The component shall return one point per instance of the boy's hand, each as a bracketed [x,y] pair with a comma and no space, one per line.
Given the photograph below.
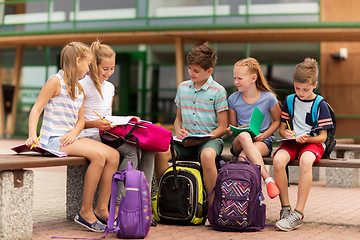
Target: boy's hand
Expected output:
[289,134]
[259,138]
[182,134]
[302,139]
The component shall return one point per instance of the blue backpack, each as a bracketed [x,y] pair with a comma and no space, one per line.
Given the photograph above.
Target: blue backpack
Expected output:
[237,204]
[330,141]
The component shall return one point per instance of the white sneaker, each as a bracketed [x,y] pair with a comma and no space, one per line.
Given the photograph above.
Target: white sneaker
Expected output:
[293,221]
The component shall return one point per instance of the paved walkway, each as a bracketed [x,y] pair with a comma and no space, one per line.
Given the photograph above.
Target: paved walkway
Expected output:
[330,213]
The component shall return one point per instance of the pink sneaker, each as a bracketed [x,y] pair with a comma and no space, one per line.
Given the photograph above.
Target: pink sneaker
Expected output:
[272,189]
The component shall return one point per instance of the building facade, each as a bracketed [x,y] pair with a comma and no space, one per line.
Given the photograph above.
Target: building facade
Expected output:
[151,39]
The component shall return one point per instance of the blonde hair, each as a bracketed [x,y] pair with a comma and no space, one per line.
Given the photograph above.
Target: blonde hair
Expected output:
[306,71]
[99,51]
[254,68]
[68,57]
[202,55]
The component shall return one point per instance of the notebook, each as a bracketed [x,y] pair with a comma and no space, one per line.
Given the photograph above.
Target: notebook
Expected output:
[257,117]
[198,137]
[44,151]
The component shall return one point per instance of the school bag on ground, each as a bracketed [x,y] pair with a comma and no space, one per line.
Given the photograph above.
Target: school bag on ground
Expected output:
[134,216]
[330,141]
[237,204]
[181,197]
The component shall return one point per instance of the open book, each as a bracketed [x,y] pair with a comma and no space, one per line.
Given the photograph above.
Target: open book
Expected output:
[120,120]
[198,137]
[44,151]
[257,117]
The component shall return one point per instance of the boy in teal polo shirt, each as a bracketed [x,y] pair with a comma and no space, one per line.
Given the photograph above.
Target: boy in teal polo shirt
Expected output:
[201,109]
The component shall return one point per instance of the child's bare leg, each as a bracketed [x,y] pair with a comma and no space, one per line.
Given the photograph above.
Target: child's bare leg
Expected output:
[253,151]
[207,158]
[281,159]
[305,164]
[111,165]
[88,148]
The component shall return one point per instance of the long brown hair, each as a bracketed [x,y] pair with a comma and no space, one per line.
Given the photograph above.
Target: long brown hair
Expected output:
[68,57]
[99,51]
[254,67]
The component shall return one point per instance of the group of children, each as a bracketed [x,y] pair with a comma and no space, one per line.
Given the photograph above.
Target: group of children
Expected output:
[70,125]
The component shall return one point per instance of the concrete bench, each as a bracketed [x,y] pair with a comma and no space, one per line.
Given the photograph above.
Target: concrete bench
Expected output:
[16,185]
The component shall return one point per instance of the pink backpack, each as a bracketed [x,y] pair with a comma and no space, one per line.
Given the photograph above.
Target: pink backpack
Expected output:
[149,136]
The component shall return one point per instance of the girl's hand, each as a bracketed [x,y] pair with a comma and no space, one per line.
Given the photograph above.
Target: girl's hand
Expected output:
[68,139]
[289,134]
[259,138]
[302,139]
[31,140]
[229,131]
[182,134]
[103,125]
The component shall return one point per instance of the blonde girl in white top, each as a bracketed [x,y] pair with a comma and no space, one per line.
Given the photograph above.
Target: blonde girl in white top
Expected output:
[61,98]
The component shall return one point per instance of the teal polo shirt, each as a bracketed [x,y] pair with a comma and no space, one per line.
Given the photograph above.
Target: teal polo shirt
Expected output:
[199,108]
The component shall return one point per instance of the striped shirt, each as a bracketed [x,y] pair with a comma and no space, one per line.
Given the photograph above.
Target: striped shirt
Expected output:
[60,113]
[199,108]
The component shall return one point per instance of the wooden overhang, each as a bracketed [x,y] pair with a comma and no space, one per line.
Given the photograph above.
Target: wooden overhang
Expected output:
[188,36]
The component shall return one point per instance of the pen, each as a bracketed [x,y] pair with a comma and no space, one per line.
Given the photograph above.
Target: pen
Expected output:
[289,127]
[99,115]
[36,141]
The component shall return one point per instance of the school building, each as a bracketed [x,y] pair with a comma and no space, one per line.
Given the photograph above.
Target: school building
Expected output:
[152,37]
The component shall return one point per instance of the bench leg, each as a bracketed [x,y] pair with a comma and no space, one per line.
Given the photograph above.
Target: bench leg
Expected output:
[343,177]
[74,190]
[16,200]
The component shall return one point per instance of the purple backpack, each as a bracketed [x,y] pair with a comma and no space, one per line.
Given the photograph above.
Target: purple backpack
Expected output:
[237,202]
[134,217]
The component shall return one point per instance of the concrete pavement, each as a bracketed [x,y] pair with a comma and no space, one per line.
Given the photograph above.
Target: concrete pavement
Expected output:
[330,213]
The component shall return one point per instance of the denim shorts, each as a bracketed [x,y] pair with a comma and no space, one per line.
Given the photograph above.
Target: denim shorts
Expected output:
[53,143]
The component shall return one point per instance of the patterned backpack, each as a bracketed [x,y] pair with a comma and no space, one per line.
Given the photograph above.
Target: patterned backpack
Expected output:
[238,198]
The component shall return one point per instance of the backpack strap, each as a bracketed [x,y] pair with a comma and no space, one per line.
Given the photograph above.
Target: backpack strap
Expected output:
[173,159]
[290,101]
[118,176]
[315,110]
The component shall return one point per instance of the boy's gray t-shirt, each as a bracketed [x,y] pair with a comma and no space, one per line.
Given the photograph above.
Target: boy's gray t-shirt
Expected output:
[244,110]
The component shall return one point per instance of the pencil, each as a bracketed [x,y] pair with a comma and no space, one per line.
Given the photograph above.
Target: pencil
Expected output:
[36,141]
[289,127]
[99,115]
[243,126]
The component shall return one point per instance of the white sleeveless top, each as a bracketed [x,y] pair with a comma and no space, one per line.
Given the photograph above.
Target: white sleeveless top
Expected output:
[60,113]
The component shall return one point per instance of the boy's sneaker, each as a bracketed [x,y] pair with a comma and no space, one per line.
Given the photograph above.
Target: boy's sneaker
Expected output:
[272,189]
[284,212]
[293,221]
